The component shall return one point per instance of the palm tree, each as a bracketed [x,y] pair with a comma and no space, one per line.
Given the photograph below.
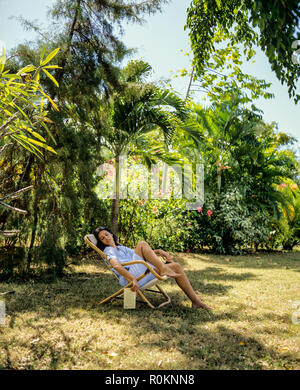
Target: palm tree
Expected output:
[131,113]
[218,130]
[235,140]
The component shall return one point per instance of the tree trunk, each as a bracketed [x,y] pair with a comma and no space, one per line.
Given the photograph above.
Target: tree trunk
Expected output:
[60,72]
[219,182]
[219,177]
[34,228]
[116,201]
[190,84]
[35,219]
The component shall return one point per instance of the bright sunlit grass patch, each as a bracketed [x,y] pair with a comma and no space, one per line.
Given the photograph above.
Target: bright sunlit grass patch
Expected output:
[60,325]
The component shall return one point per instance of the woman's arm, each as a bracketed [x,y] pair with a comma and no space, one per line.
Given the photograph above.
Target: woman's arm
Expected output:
[164,254]
[121,270]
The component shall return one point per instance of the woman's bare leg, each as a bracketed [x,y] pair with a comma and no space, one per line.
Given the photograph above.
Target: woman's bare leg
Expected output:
[185,285]
[144,250]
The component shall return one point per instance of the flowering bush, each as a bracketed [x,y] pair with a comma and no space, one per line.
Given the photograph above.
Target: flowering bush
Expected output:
[225,224]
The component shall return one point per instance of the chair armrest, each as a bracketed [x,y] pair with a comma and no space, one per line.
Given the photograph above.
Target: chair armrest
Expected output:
[146,265]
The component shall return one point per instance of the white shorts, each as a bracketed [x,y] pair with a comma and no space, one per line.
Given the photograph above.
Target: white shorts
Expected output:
[136,270]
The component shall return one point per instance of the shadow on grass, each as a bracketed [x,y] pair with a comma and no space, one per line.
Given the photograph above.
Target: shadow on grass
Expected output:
[204,280]
[184,330]
[273,260]
[174,327]
[84,290]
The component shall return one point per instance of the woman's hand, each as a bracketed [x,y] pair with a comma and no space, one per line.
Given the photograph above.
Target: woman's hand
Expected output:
[166,256]
[135,285]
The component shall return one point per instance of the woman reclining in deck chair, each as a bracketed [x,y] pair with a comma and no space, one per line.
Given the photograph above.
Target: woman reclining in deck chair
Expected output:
[116,254]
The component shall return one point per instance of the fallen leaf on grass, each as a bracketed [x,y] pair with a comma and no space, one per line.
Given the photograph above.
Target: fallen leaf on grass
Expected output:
[111,354]
[34,341]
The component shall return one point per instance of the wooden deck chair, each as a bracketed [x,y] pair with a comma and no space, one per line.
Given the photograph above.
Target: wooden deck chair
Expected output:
[91,241]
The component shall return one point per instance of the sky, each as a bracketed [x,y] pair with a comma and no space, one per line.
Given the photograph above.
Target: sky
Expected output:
[163,42]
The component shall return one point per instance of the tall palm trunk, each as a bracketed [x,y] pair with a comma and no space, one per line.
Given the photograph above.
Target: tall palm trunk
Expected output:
[219,177]
[190,84]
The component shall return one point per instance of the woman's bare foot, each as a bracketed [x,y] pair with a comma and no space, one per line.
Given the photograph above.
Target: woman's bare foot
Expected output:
[199,304]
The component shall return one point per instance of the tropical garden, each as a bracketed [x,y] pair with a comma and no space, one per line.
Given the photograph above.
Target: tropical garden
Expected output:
[75,104]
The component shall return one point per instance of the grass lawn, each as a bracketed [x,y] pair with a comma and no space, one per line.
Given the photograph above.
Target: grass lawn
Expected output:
[61,326]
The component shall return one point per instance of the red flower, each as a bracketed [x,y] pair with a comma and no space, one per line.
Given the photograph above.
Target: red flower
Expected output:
[188,250]
[209,213]
[199,209]
[188,224]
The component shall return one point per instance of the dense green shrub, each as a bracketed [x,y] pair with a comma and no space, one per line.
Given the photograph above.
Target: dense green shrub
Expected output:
[157,221]
[286,230]
[225,224]
[11,261]
[51,254]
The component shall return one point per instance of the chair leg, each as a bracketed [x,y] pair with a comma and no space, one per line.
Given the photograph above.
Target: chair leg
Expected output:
[161,291]
[119,292]
[165,295]
[145,299]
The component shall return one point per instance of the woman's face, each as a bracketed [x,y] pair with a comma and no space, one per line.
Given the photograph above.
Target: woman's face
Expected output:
[106,238]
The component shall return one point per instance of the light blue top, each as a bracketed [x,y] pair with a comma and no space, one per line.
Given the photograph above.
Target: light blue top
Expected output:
[124,254]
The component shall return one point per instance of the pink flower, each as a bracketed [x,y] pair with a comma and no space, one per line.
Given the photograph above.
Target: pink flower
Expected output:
[154,210]
[135,157]
[282,185]
[199,209]
[209,213]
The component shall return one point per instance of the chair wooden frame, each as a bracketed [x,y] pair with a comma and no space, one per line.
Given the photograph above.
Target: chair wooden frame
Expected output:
[90,240]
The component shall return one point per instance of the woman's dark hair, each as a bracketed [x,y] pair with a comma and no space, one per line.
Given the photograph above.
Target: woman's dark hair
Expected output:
[100,244]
